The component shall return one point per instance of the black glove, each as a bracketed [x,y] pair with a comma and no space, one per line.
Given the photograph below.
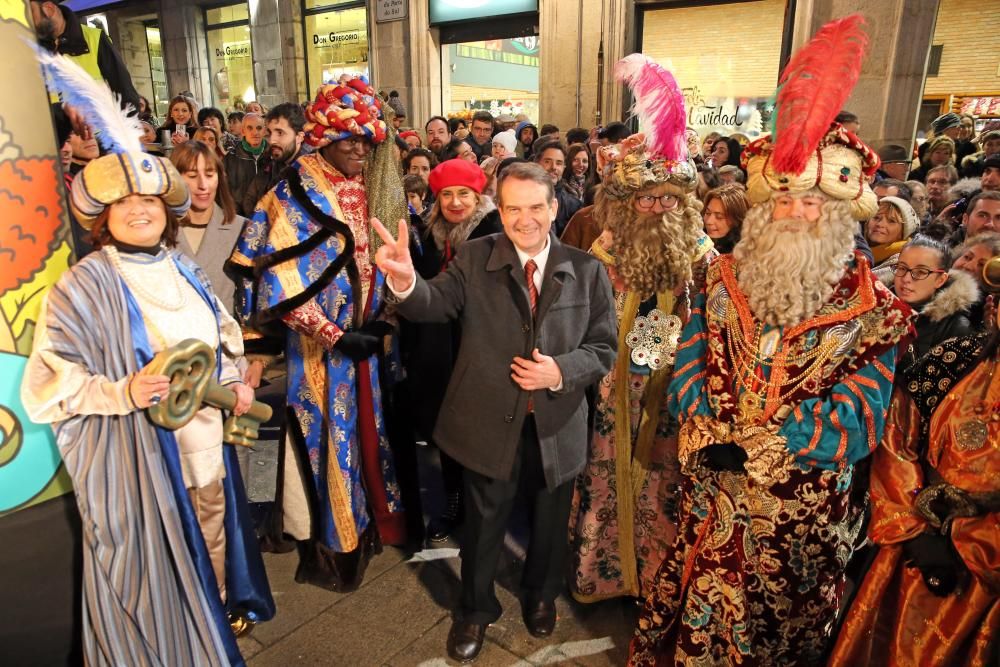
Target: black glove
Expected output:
[939,564]
[363,343]
[729,456]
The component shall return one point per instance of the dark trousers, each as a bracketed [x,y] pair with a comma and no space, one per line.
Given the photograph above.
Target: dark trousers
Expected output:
[488,503]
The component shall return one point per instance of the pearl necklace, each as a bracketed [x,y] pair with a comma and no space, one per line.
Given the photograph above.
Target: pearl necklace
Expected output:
[135,283]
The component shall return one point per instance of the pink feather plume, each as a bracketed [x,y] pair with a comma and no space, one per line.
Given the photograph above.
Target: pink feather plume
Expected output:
[659,105]
[813,88]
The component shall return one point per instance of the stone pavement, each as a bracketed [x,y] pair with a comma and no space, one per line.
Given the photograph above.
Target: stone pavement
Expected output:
[402,613]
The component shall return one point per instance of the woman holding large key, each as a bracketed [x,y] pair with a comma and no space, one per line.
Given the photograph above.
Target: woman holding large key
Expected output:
[170,556]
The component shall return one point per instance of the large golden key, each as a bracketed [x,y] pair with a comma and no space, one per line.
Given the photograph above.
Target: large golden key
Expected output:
[190,365]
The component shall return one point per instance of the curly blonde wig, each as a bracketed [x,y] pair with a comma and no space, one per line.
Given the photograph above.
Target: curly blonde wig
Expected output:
[653,252]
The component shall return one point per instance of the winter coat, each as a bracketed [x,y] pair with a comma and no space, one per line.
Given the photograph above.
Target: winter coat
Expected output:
[568,206]
[945,316]
[429,350]
[241,169]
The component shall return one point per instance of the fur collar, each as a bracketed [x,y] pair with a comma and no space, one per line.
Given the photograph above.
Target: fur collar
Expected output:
[960,293]
[441,230]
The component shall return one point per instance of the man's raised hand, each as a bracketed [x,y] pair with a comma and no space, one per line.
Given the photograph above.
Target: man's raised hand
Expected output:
[393,258]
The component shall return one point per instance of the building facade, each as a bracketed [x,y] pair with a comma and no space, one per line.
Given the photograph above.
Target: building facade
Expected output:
[553,59]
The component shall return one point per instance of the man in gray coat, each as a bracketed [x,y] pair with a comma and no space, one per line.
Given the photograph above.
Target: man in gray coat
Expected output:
[538,327]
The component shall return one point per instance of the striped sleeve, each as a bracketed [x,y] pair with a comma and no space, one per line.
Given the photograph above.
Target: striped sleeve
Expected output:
[846,425]
[686,396]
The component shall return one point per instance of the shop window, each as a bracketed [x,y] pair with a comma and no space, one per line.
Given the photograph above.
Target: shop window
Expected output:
[230,56]
[336,40]
[934,61]
[498,75]
[728,83]
[158,73]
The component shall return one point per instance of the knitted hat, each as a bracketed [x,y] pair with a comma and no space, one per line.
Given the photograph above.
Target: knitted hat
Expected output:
[911,223]
[938,142]
[344,110]
[456,172]
[945,121]
[397,104]
[988,135]
[410,133]
[507,138]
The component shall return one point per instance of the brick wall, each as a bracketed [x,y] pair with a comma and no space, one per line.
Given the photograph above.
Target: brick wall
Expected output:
[969,30]
[727,50]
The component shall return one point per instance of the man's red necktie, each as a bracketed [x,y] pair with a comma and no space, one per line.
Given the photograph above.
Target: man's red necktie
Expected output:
[529,274]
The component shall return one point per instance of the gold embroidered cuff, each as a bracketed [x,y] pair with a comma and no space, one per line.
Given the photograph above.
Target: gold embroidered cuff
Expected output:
[768,459]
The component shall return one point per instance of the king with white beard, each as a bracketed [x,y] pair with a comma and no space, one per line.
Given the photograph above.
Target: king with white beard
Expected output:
[783,376]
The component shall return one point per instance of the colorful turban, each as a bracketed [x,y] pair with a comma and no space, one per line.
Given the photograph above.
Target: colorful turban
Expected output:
[627,167]
[840,167]
[107,179]
[341,111]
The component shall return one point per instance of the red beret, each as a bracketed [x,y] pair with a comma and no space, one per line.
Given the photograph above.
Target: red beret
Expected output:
[457,172]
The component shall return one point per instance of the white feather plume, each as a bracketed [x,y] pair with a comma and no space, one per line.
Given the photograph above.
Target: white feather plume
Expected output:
[114,128]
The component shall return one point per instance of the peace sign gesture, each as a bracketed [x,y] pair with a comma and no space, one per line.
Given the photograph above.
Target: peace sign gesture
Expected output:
[393,258]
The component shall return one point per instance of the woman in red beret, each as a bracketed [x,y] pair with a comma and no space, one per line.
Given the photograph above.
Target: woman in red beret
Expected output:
[461,213]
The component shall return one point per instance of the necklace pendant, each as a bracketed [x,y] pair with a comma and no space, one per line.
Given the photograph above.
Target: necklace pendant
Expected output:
[750,407]
[972,435]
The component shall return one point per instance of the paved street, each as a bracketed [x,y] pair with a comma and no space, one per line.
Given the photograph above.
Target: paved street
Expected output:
[402,613]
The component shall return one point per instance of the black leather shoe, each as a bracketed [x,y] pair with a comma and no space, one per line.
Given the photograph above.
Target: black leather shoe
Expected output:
[442,527]
[465,640]
[540,617]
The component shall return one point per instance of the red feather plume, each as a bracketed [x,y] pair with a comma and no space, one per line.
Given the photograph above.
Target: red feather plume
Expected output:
[813,88]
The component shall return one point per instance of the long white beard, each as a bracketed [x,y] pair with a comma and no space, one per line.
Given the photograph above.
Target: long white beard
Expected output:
[789,269]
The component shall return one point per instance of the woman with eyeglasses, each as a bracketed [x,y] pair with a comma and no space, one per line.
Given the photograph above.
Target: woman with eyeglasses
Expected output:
[941,296]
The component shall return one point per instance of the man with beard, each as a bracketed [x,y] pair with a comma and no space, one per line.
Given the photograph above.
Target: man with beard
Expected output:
[308,277]
[285,143]
[782,382]
[438,134]
[655,253]
[551,155]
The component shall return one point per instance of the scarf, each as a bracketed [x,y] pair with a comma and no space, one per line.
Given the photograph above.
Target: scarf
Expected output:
[884,252]
[256,152]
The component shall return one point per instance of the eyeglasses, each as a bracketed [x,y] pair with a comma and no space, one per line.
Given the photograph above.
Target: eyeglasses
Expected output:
[917,273]
[646,202]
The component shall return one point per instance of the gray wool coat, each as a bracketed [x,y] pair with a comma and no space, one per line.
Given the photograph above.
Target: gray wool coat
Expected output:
[483,412]
[214,251]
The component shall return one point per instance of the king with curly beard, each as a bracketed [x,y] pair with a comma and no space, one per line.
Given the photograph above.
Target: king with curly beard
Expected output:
[656,254]
[782,381]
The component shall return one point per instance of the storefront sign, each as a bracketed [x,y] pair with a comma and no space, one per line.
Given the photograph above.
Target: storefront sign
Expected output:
[390,10]
[728,115]
[233,50]
[447,11]
[346,37]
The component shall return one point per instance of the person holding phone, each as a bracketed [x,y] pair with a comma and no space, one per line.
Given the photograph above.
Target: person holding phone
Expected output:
[182,120]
